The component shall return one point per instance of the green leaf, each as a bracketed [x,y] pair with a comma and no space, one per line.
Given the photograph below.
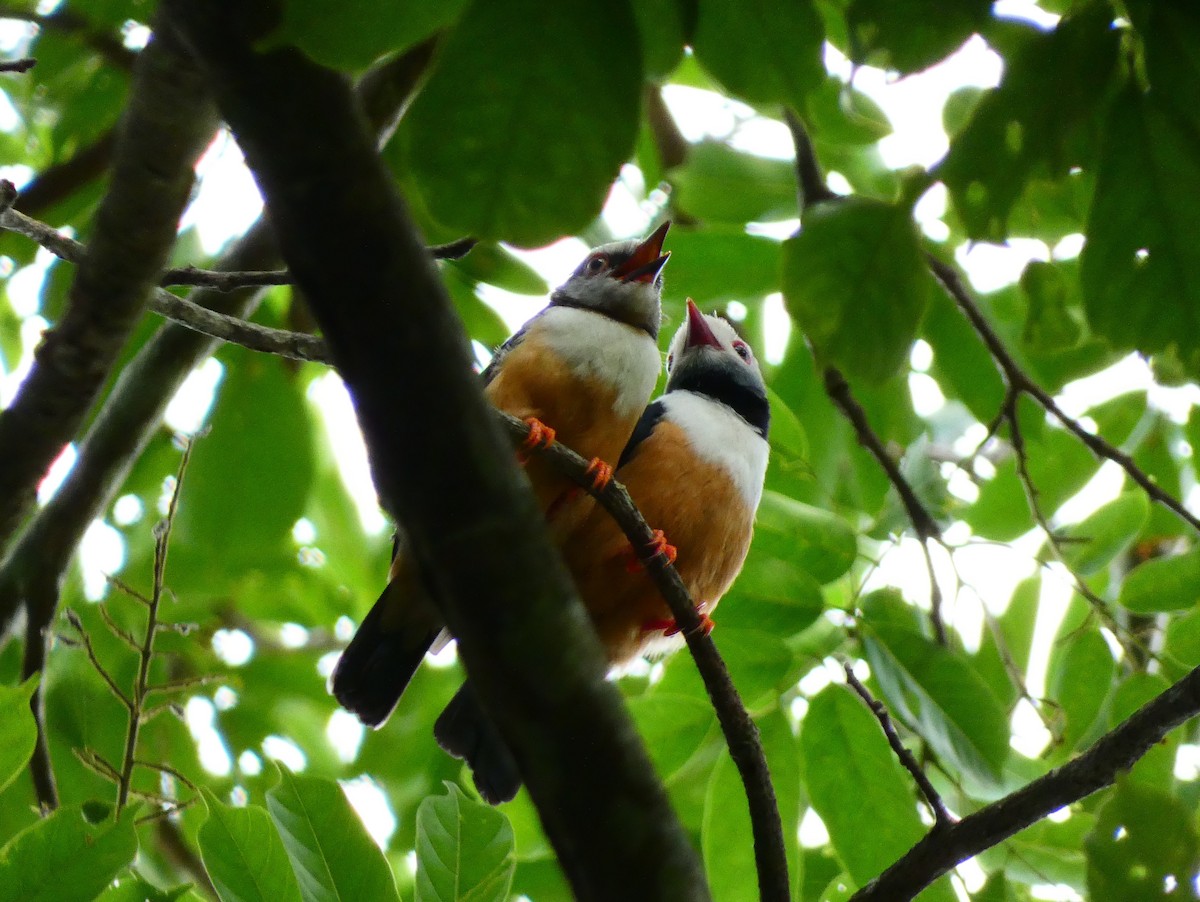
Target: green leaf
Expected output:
[720,263]
[787,435]
[1011,649]
[909,35]
[1079,680]
[815,540]
[662,27]
[766,51]
[244,856]
[1162,584]
[840,113]
[943,696]
[1105,533]
[842,746]
[331,853]
[64,858]
[1054,319]
[1020,128]
[517,137]
[717,183]
[726,835]
[672,727]
[1141,274]
[363,31]
[464,850]
[135,889]
[961,364]
[856,283]
[1142,837]
[491,263]
[1170,35]
[772,595]
[18,728]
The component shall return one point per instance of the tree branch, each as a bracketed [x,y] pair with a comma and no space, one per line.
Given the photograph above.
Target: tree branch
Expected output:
[21,65]
[1095,769]
[69,22]
[741,733]
[167,124]
[524,637]
[134,408]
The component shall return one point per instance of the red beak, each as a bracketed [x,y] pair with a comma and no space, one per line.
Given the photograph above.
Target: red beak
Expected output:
[698,332]
[647,260]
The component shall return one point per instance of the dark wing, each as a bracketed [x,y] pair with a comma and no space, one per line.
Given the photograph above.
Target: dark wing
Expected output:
[493,369]
[645,425]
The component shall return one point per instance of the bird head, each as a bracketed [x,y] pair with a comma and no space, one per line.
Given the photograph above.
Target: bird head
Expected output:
[622,280]
[708,357]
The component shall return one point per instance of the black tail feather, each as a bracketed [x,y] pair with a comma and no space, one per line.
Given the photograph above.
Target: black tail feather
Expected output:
[465,731]
[377,665]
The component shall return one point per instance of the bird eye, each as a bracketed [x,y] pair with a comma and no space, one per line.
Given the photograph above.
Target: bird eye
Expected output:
[597,264]
[742,349]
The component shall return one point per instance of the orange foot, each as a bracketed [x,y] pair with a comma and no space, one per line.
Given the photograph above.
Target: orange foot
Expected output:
[540,436]
[658,544]
[670,626]
[601,474]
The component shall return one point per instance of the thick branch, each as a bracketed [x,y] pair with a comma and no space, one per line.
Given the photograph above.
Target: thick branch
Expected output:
[524,638]
[741,733]
[167,124]
[135,406]
[1095,769]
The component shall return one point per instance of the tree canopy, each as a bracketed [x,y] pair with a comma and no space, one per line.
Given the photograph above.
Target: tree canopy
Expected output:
[964,632]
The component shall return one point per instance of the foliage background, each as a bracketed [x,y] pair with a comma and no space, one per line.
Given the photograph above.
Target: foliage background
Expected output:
[517,134]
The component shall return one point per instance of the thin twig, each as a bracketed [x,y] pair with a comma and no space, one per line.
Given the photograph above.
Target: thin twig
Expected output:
[942,816]
[90,650]
[741,733]
[168,770]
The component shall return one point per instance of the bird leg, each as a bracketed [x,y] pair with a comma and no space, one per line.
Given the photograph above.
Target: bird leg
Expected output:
[601,474]
[540,436]
[670,626]
[658,544]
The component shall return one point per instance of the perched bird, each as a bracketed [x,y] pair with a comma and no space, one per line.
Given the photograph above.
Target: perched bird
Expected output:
[694,467]
[581,370]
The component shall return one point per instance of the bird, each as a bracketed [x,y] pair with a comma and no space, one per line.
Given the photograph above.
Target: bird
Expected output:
[579,372]
[694,466]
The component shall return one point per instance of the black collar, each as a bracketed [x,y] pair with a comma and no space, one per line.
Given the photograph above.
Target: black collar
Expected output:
[561,300]
[744,400]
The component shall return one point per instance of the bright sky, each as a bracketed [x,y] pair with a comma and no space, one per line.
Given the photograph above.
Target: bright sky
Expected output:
[228,201]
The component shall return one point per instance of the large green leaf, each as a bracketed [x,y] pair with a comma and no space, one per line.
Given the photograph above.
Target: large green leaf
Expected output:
[1004,649]
[331,853]
[18,728]
[1104,534]
[815,540]
[1169,583]
[244,856]
[910,35]
[67,856]
[767,51]
[361,32]
[1021,128]
[1171,35]
[1078,681]
[720,184]
[517,137]
[863,795]
[672,727]
[857,285]
[945,698]
[464,850]
[1141,273]
[720,263]
[773,595]
[726,836]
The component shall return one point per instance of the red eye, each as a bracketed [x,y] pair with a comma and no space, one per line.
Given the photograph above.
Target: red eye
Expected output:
[742,349]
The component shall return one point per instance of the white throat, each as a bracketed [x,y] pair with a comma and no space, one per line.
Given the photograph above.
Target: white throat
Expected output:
[721,437]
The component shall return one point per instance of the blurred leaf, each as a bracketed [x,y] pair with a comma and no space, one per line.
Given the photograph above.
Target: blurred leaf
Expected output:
[843,746]
[961,364]
[1150,164]
[64,857]
[362,32]
[1054,319]
[135,889]
[1144,847]
[1104,534]
[244,856]
[839,112]
[910,35]
[672,727]
[18,728]
[766,51]
[515,137]
[1170,35]
[1047,851]
[330,850]
[787,433]
[815,540]
[1078,680]
[1020,128]
[662,25]
[943,696]
[1015,627]
[857,285]
[718,264]
[773,595]
[1156,768]
[492,263]
[726,836]
[1162,584]
[464,850]
[719,184]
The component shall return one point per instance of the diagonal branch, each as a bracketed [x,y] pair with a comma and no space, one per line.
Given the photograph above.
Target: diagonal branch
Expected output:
[537,667]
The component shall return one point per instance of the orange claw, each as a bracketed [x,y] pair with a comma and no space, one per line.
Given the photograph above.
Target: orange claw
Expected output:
[658,544]
[671,627]
[540,436]
[601,474]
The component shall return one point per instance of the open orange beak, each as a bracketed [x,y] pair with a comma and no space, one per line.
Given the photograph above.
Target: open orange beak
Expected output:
[647,260]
